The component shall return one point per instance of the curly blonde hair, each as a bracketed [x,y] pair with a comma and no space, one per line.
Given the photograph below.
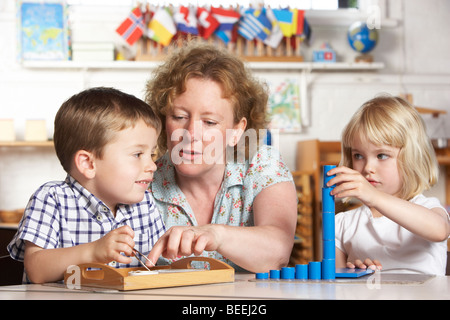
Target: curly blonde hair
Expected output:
[392,121]
[205,61]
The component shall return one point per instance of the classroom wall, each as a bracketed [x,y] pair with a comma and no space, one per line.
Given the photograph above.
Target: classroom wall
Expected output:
[415,54]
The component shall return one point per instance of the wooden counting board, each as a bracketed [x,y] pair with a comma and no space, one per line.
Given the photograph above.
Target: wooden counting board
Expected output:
[179,273]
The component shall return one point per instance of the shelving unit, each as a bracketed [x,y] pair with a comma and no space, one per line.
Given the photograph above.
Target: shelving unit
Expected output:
[22,144]
[145,65]
[26,143]
[301,69]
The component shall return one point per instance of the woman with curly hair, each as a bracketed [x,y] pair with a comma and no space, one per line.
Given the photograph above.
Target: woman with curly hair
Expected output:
[221,191]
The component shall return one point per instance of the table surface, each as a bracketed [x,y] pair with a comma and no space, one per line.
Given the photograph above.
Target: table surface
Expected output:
[373,287]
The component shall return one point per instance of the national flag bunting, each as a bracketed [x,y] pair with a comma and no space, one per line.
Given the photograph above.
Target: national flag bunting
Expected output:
[297,21]
[284,18]
[254,24]
[147,15]
[266,24]
[275,37]
[306,35]
[227,19]
[207,23]
[162,27]
[186,20]
[132,28]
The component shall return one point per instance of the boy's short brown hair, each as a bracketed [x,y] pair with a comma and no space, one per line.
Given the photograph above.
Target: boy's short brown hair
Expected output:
[89,119]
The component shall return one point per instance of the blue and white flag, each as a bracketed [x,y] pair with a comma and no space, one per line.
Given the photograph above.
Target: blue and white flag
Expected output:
[254,24]
[276,35]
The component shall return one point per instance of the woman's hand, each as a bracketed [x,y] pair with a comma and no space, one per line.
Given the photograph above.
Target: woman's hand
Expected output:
[264,246]
[184,241]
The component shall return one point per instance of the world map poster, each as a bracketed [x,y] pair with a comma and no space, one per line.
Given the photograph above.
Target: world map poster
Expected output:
[43,32]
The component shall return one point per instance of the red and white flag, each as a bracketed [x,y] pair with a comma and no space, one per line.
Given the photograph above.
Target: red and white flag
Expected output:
[132,28]
[207,24]
[226,17]
[186,20]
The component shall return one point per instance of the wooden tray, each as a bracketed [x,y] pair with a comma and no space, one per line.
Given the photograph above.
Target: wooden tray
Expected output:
[104,276]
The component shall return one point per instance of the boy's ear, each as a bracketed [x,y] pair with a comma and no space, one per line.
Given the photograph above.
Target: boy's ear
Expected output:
[85,163]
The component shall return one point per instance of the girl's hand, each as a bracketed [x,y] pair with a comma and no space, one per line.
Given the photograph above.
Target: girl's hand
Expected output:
[350,183]
[368,263]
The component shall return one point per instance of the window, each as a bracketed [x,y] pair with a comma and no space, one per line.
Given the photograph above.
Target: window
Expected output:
[319,12]
[299,4]
[102,2]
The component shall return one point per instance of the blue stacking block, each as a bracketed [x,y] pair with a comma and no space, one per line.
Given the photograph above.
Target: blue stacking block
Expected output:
[328,269]
[262,275]
[329,249]
[314,270]
[274,274]
[301,271]
[328,226]
[328,266]
[328,210]
[327,200]
[327,178]
[287,273]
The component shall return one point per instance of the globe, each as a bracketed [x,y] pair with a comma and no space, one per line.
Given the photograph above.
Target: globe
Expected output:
[361,38]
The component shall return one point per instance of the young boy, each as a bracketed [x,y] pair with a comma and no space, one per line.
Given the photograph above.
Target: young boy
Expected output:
[104,140]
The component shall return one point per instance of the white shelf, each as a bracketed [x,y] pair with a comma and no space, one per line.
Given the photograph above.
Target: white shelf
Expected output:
[344,18]
[344,66]
[146,65]
[90,64]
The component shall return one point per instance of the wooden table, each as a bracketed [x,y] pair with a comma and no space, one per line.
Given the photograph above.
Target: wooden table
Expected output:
[245,287]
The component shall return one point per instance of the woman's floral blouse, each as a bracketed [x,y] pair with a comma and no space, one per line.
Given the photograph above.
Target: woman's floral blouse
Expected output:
[233,205]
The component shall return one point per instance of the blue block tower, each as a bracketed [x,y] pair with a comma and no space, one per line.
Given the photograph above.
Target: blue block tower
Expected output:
[328,233]
[325,269]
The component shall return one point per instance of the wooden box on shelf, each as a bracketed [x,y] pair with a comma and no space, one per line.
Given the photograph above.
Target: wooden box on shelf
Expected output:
[7,132]
[35,130]
[11,216]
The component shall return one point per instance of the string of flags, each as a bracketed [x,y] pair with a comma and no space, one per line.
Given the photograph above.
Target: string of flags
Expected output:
[163,23]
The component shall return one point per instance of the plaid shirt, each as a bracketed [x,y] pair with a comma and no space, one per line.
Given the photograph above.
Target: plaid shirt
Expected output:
[64,214]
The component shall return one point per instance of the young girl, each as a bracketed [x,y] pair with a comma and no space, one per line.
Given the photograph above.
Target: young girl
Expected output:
[388,161]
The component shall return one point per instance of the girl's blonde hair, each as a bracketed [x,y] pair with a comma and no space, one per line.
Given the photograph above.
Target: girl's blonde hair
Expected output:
[387,120]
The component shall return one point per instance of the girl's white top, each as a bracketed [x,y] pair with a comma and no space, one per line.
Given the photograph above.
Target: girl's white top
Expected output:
[361,236]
